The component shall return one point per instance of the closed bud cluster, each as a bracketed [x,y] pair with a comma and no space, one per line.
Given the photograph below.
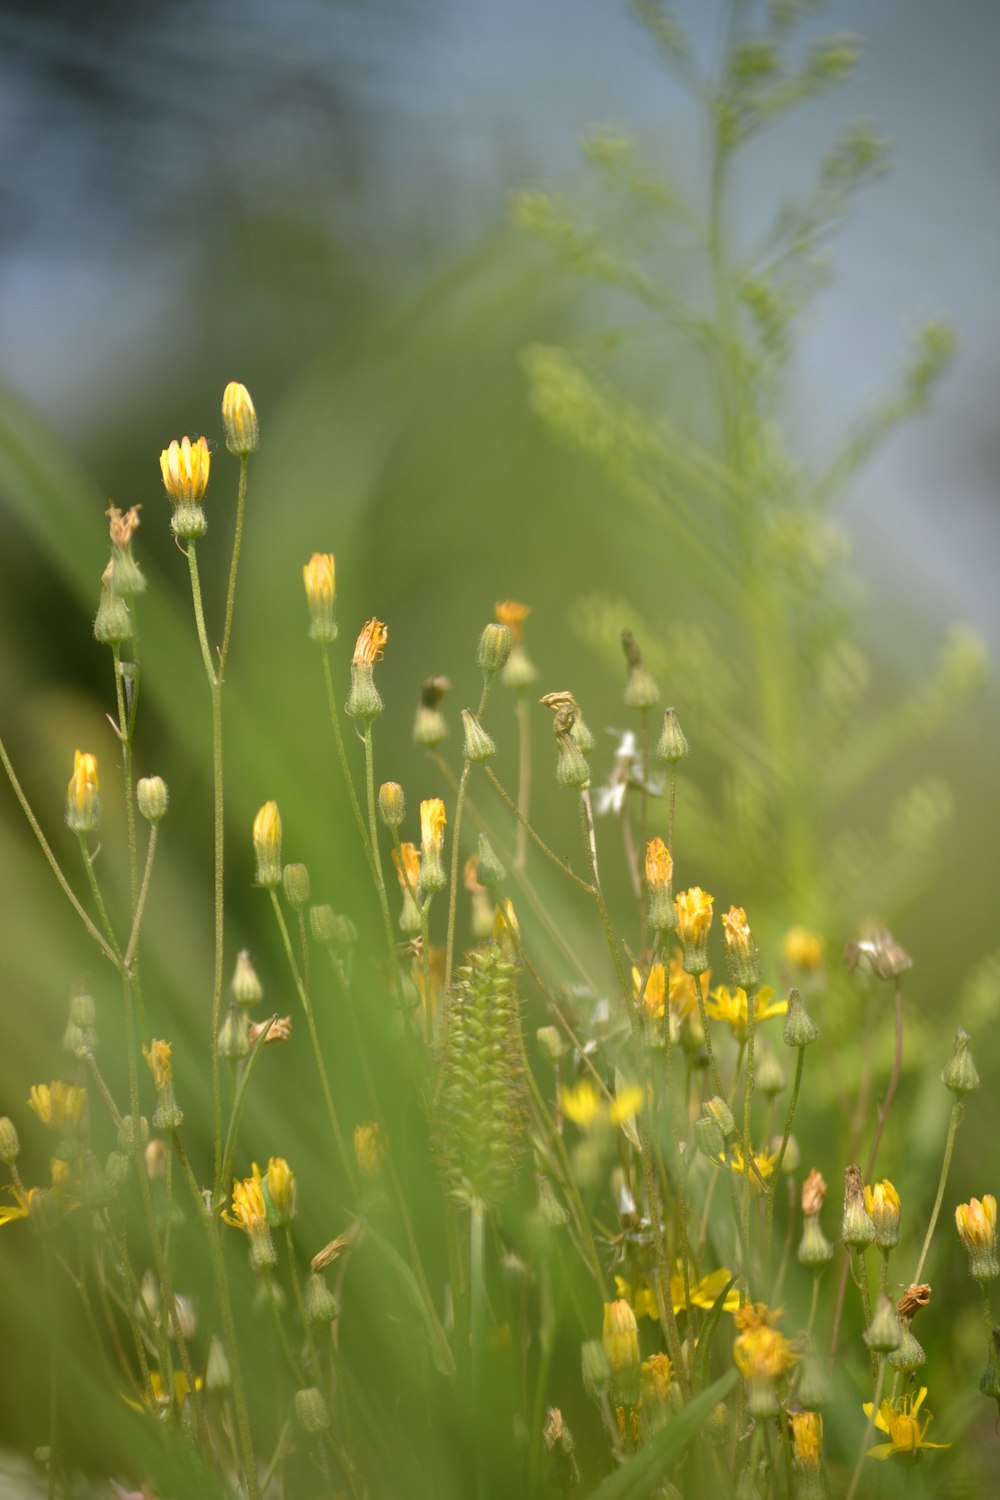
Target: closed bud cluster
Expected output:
[320,1303]
[319,575]
[295,879]
[83,802]
[430,728]
[391,804]
[960,1074]
[479,746]
[621,1346]
[883,1333]
[112,623]
[741,950]
[407,861]
[432,826]
[267,845]
[882,1203]
[494,649]
[363,701]
[152,797]
[672,745]
[168,1114]
[184,466]
[239,420]
[659,876]
[857,1229]
[641,691]
[977,1227]
[693,909]
[245,984]
[81,1028]
[800,1029]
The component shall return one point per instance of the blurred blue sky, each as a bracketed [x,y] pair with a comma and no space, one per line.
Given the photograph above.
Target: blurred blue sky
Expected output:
[388,133]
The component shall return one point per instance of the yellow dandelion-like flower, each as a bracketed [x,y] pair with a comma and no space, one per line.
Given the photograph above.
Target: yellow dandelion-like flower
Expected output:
[807,1439]
[900,1421]
[803,948]
[184,466]
[731,1005]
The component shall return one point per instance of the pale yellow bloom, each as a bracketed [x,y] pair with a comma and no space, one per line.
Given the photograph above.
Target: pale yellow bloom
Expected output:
[620,1336]
[694,915]
[239,419]
[900,1420]
[58,1104]
[82,799]
[267,844]
[157,1056]
[731,1005]
[432,824]
[583,1105]
[280,1182]
[882,1203]
[659,865]
[320,578]
[407,861]
[803,948]
[184,466]
[657,1377]
[807,1438]
[977,1223]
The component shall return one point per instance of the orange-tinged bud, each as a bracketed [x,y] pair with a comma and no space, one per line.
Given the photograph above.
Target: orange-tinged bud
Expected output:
[741,950]
[813,1193]
[320,578]
[157,1055]
[976,1222]
[370,642]
[659,865]
[693,909]
[83,803]
[363,701]
[512,614]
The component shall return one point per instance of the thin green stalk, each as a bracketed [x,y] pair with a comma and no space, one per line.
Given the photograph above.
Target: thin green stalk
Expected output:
[239,1099]
[299,1300]
[869,1428]
[243,1428]
[717,1079]
[338,738]
[376,858]
[140,902]
[53,1374]
[796,1085]
[748,1087]
[536,838]
[234,562]
[477,1322]
[125,736]
[890,1093]
[53,862]
[456,850]
[949,1146]
[523,777]
[331,1108]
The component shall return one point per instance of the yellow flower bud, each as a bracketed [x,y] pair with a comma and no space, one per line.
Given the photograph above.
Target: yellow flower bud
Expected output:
[184,466]
[279,1184]
[882,1203]
[432,825]
[741,950]
[620,1338]
[319,576]
[267,844]
[83,803]
[693,909]
[363,701]
[239,419]
[803,948]
[977,1226]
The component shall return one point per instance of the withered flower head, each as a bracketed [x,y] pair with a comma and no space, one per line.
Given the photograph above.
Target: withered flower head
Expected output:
[123,525]
[913,1299]
[278,1029]
[877,952]
[370,642]
[813,1193]
[433,690]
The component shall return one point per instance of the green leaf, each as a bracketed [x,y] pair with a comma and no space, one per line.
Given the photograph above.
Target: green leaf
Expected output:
[634,1480]
[440,1348]
[707,1333]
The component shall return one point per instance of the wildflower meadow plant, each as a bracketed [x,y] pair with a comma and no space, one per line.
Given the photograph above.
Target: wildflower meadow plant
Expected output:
[563,1223]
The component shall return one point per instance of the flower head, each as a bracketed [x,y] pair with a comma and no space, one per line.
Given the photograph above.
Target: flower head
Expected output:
[693,909]
[184,466]
[732,1006]
[807,1439]
[977,1227]
[239,419]
[512,614]
[762,1356]
[657,1377]
[267,844]
[157,1056]
[368,649]
[882,1203]
[58,1104]
[620,1338]
[741,950]
[900,1420]
[320,579]
[83,802]
[803,948]
[249,1213]
[279,1189]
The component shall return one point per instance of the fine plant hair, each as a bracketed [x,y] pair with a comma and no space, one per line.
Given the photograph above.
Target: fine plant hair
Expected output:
[541,1207]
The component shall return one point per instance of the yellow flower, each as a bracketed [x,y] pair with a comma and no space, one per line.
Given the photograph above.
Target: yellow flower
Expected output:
[432,824]
[683,994]
[803,948]
[659,865]
[249,1211]
[239,419]
[267,844]
[407,861]
[158,1057]
[160,1397]
[279,1180]
[59,1104]
[730,1005]
[654,995]
[657,1377]
[184,466]
[703,1293]
[977,1225]
[586,1107]
[807,1438]
[763,1160]
[83,803]
[882,1203]
[369,1147]
[762,1355]
[694,916]
[319,576]
[620,1336]
[512,614]
[370,642]
[900,1420]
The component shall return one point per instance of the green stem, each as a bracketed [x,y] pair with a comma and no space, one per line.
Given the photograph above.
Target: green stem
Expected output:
[534,836]
[869,1428]
[800,1061]
[523,777]
[239,1099]
[338,738]
[890,1093]
[376,858]
[125,736]
[140,903]
[748,1088]
[477,1323]
[456,851]
[234,562]
[244,1432]
[949,1146]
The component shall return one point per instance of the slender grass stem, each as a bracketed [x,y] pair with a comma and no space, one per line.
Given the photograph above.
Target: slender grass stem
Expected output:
[523,711]
[236,1113]
[535,837]
[456,850]
[234,563]
[125,736]
[793,1101]
[243,1428]
[869,1428]
[890,1093]
[140,903]
[338,739]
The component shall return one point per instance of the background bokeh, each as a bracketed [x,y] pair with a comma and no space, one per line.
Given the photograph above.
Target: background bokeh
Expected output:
[312,198]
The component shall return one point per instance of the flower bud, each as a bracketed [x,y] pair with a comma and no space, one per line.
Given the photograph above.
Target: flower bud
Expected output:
[621,1346]
[594,1369]
[641,691]
[267,845]
[877,952]
[295,879]
[800,1029]
[319,575]
[126,576]
[320,1304]
[112,623]
[551,1043]
[83,802]
[857,1229]
[310,1408]
[814,1249]
[239,419]
[217,1373]
[185,467]
[490,870]
[407,861]
[741,950]
[960,1074]
[571,764]
[279,1191]
[720,1112]
[659,875]
[10,1146]
[479,746]
[882,1203]
[116,1170]
[245,985]
[152,797]
[550,1211]
[584,739]
[910,1355]
[694,918]
[883,1332]
[977,1227]
[708,1137]
[168,1115]
[391,804]
[494,649]
[234,1035]
[814,1388]
[432,826]
[672,745]
[364,701]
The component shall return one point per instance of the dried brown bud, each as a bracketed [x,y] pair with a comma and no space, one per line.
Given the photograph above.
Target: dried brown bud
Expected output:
[877,952]
[813,1193]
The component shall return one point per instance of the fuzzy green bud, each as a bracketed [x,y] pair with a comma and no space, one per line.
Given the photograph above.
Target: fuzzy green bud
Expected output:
[550,1211]
[113,623]
[960,1075]
[520,671]
[320,1304]
[580,732]
[430,727]
[245,984]
[490,869]
[800,1029]
[131,1132]
[814,1389]
[672,745]
[10,1146]
[720,1112]
[234,1035]
[295,879]
[571,765]
[814,1249]
[391,804]
[239,419]
[641,691]
[479,746]
[364,701]
[550,1042]
[494,649]
[310,1408]
[594,1369]
[267,845]
[152,797]
[327,926]
[116,1170]
[793,1156]
[857,1229]
[708,1137]
[883,1332]
[910,1355]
